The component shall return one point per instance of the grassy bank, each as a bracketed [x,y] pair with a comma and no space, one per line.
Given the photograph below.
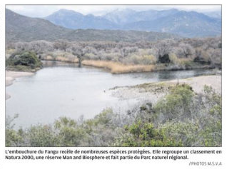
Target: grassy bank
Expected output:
[116,67]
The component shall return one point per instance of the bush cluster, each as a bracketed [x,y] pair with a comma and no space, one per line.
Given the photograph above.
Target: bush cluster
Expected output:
[27,60]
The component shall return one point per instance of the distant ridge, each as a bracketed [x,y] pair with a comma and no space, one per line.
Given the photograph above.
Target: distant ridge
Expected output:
[22,28]
[74,20]
[187,24]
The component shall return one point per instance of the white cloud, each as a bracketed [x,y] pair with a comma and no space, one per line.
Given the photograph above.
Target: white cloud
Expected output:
[45,10]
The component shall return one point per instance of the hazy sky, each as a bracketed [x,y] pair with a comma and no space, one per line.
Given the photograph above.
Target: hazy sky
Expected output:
[45,10]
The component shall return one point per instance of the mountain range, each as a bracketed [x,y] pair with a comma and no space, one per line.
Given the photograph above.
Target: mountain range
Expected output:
[186,24]
[23,28]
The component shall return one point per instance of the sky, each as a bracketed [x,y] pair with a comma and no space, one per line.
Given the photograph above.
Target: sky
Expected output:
[45,10]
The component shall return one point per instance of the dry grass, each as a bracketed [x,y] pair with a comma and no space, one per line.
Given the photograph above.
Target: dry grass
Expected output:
[48,58]
[116,67]
[61,59]
[67,59]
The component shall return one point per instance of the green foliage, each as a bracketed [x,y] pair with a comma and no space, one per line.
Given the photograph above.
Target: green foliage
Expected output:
[186,132]
[41,136]
[201,132]
[13,137]
[176,104]
[102,129]
[68,133]
[203,127]
[211,120]
[104,118]
[23,60]
[144,134]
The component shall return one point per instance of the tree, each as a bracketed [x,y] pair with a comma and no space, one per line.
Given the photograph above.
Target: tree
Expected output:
[21,46]
[185,50]
[163,50]
[40,47]
[79,52]
[201,56]
[61,45]
[215,57]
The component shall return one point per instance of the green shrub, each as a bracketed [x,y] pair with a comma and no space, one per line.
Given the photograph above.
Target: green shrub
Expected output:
[68,133]
[200,122]
[177,104]
[13,138]
[186,132]
[41,136]
[144,135]
[104,118]
[23,60]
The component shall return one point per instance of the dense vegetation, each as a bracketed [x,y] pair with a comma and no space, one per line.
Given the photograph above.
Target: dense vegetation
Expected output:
[165,54]
[181,118]
[23,61]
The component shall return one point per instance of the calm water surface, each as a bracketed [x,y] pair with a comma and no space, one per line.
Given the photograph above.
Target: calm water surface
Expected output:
[60,90]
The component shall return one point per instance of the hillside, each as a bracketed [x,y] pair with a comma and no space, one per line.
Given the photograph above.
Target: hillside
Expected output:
[21,28]
[74,20]
[187,24]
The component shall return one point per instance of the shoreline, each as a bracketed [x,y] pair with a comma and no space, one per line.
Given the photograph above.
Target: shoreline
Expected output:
[10,76]
[120,68]
[156,90]
[111,66]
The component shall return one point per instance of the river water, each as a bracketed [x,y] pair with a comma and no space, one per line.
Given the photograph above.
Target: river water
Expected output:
[61,89]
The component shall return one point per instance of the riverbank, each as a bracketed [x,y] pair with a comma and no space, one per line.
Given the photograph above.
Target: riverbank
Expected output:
[113,67]
[118,67]
[155,91]
[12,75]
